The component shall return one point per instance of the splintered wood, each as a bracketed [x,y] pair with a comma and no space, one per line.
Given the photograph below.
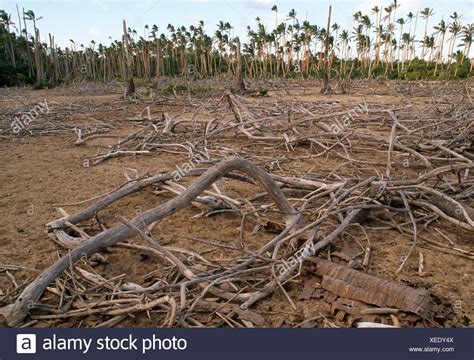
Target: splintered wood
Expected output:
[319,180]
[352,284]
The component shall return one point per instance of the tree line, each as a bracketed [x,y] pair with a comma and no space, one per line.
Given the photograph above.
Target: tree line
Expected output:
[380,44]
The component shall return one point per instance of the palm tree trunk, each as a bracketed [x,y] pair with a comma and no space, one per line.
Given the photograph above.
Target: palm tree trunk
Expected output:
[412,52]
[28,50]
[130,86]
[158,63]
[10,44]
[37,57]
[240,80]
[326,86]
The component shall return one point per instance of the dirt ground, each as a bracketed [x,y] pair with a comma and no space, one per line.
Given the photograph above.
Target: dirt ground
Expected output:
[42,173]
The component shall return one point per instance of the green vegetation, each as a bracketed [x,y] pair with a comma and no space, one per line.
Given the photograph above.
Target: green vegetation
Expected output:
[381,44]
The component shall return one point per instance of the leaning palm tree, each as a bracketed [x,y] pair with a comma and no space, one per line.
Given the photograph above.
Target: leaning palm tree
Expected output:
[357,15]
[466,42]
[6,21]
[30,16]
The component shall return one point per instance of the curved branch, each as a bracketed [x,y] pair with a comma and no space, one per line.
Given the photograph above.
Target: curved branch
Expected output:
[15,313]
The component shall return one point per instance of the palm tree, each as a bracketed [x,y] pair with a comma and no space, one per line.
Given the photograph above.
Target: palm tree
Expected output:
[5,20]
[291,16]
[335,28]
[360,43]
[365,21]
[468,32]
[326,74]
[407,40]
[130,86]
[391,27]
[279,32]
[400,22]
[309,31]
[30,16]
[441,31]
[410,17]
[454,28]
[154,35]
[344,37]
[378,13]
[275,8]
[430,45]
[356,17]
[388,38]
[425,14]
[412,42]
[380,36]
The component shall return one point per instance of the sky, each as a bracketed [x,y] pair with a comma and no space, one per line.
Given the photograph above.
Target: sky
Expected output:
[100,20]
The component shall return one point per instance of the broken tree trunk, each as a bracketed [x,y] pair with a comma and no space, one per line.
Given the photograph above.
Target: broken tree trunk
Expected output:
[15,313]
[326,86]
[38,57]
[356,285]
[240,80]
[156,80]
[130,85]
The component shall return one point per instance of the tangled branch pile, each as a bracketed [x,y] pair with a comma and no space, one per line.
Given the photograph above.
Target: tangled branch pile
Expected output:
[400,167]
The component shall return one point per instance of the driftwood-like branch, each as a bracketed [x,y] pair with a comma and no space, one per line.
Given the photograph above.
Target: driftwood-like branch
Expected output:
[125,190]
[16,312]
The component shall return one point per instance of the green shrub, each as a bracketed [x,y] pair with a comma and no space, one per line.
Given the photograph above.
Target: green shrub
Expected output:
[13,76]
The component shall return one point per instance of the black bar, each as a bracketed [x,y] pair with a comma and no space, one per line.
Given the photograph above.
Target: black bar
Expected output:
[242,344]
